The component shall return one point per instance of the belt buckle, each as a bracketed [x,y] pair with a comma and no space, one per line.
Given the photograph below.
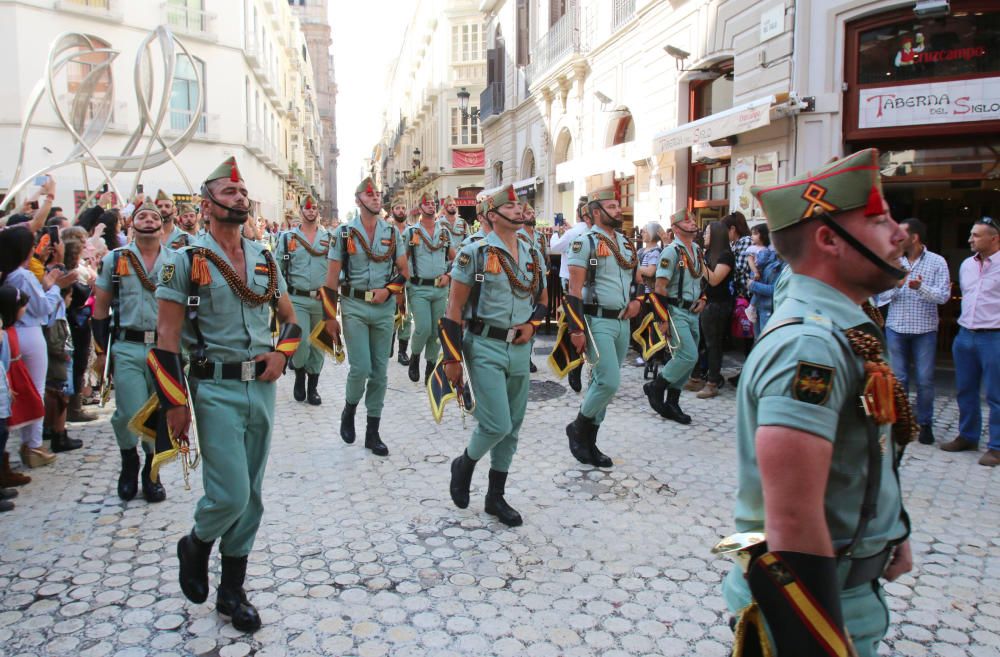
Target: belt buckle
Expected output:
[511,334]
[314,294]
[369,296]
[248,370]
[149,337]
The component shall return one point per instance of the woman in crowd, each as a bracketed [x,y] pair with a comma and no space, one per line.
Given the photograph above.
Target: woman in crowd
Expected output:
[78,312]
[12,307]
[767,267]
[720,264]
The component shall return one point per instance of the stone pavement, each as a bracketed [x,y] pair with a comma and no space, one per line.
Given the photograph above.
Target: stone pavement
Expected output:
[365,556]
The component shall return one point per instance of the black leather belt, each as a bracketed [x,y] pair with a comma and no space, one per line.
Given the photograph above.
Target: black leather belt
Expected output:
[416,280]
[479,327]
[604,313]
[866,569]
[679,303]
[139,337]
[983,330]
[312,294]
[246,371]
[361,295]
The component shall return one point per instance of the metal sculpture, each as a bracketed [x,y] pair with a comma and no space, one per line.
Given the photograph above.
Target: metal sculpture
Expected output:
[90,110]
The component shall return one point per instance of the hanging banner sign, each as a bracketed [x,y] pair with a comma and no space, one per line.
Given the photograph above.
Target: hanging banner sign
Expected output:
[957,101]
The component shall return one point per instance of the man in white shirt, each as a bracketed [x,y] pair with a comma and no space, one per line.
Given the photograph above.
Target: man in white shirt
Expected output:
[558,245]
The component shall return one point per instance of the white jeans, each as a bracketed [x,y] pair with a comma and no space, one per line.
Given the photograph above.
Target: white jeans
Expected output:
[35,355]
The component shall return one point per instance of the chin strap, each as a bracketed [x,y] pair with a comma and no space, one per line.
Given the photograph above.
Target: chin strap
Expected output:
[362,203]
[869,255]
[236,215]
[615,223]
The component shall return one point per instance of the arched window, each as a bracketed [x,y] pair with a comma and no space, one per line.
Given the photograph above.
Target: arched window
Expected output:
[185,92]
[564,146]
[498,173]
[528,164]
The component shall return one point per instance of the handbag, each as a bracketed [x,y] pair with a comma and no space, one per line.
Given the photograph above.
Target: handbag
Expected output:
[26,406]
[740,325]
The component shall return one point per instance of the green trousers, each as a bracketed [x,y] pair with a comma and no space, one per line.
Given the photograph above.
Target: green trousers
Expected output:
[677,370]
[367,336]
[308,313]
[133,387]
[865,612]
[500,380]
[234,431]
[611,337]
[427,304]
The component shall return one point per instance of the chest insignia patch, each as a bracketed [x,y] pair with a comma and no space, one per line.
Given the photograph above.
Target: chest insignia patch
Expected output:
[463,260]
[260,268]
[166,273]
[812,383]
[386,242]
[577,247]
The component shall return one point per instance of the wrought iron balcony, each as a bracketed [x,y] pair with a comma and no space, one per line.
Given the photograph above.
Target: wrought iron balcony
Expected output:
[491,100]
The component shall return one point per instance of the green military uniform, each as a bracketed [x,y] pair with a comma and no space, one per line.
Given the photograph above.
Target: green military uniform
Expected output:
[807,372]
[303,263]
[427,257]
[677,262]
[178,238]
[457,230]
[367,327]
[480,234]
[405,330]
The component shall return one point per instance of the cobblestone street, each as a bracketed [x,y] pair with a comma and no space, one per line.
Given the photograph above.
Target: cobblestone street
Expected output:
[359,555]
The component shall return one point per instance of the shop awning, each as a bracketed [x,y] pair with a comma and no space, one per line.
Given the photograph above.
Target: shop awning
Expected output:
[620,159]
[527,184]
[733,121]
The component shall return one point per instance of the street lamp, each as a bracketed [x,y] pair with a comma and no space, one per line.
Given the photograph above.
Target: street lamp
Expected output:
[463,104]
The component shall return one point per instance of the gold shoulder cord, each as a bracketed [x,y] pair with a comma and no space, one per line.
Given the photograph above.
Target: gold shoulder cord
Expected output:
[899,413]
[309,249]
[371,254]
[139,270]
[616,252]
[431,246]
[506,262]
[245,294]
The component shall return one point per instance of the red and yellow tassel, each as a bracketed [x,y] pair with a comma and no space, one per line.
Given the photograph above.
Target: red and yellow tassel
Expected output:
[415,239]
[121,269]
[878,394]
[200,273]
[352,248]
[602,249]
[493,264]
[292,245]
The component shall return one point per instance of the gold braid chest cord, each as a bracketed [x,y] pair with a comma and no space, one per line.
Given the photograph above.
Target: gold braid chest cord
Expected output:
[368,250]
[869,347]
[633,259]
[140,270]
[428,241]
[311,251]
[245,294]
[520,289]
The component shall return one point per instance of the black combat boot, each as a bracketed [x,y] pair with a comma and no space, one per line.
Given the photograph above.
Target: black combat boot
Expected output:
[414,369]
[401,357]
[231,599]
[299,391]
[428,369]
[61,442]
[128,478]
[496,505]
[461,479]
[152,491]
[372,440]
[347,423]
[597,457]
[193,553]
[574,378]
[580,433]
[532,368]
[311,394]
[655,390]
[673,407]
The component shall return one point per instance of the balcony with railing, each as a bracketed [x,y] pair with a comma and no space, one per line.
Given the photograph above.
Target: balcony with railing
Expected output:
[179,120]
[491,100]
[561,41]
[108,10]
[196,23]
[622,11]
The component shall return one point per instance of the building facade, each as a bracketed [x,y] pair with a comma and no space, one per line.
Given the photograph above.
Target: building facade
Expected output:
[254,66]
[313,16]
[429,144]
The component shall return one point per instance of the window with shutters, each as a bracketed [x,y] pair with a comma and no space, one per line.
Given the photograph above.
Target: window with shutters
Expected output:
[467,43]
[464,127]
[523,33]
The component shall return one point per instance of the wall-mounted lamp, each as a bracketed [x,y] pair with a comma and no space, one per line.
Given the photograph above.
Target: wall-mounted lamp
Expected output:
[463,104]
[680,56]
[602,97]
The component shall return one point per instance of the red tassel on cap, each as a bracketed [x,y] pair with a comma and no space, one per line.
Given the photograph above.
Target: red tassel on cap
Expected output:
[875,204]
[309,203]
[511,195]
[234,175]
[368,189]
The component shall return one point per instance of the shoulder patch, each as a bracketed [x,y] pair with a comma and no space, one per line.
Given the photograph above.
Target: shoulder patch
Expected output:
[577,246]
[812,383]
[166,273]
[664,262]
[464,259]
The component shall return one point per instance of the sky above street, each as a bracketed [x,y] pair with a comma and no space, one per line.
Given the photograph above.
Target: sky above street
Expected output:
[365,39]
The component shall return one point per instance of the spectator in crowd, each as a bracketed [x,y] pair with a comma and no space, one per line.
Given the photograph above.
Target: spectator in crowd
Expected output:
[58,376]
[720,267]
[977,346]
[760,241]
[16,245]
[78,312]
[769,267]
[740,243]
[12,307]
[912,320]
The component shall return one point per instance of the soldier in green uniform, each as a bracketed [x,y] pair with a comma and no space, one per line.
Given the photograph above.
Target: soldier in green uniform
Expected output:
[600,302]
[187,221]
[536,239]
[172,236]
[215,299]
[397,211]
[451,219]
[816,386]
[126,283]
[368,261]
[498,291]
[302,256]
[676,301]
[428,252]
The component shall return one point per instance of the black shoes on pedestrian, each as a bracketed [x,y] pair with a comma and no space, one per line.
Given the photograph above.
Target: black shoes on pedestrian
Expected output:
[532,368]
[61,442]
[574,378]
[231,599]
[496,505]
[372,440]
[461,479]
[6,495]
[582,434]
[401,357]
[312,396]
[299,390]
[152,491]
[347,423]
[193,553]
[414,369]
[128,478]
[926,435]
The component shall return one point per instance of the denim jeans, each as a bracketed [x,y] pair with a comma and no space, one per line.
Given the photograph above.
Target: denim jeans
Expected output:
[915,351]
[976,363]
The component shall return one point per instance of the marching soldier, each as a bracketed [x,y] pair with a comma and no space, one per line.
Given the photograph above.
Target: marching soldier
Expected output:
[172,236]
[455,224]
[834,517]
[485,226]
[536,239]
[560,244]
[428,252]
[126,283]
[676,301]
[369,253]
[599,304]
[302,255]
[216,299]
[398,213]
[187,221]
[498,291]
